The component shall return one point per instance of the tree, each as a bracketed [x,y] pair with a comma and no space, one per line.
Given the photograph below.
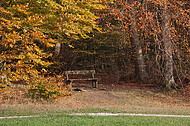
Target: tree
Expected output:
[19,42]
[169,78]
[140,66]
[164,25]
[29,29]
[122,17]
[160,30]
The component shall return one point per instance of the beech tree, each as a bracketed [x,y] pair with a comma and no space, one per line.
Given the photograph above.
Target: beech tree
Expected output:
[164,24]
[28,29]
[140,66]
[124,15]
[157,28]
[169,78]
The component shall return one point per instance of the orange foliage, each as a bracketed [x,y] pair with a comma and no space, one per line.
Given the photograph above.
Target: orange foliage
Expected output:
[47,88]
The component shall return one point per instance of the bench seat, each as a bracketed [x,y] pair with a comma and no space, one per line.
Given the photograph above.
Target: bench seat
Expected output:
[79,72]
[86,79]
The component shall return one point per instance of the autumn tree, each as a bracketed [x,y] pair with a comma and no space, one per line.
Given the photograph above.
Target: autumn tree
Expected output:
[20,40]
[140,66]
[161,34]
[121,17]
[28,28]
[164,25]
[169,78]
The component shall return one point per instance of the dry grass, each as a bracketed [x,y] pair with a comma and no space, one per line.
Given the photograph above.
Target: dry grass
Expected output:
[109,98]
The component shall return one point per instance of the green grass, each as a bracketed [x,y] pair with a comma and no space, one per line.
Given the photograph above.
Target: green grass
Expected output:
[73,120]
[30,112]
[25,112]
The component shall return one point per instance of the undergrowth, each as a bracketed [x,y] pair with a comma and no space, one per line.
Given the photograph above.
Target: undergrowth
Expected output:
[43,89]
[47,88]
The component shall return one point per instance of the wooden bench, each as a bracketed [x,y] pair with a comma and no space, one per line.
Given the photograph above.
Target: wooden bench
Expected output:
[81,72]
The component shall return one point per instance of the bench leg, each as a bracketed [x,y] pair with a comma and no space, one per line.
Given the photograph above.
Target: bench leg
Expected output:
[69,83]
[94,84]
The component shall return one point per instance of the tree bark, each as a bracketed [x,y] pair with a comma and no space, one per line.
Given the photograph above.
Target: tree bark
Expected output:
[57,49]
[169,78]
[139,58]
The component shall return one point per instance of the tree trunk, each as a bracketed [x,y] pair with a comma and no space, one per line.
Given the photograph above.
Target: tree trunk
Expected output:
[57,49]
[139,58]
[169,78]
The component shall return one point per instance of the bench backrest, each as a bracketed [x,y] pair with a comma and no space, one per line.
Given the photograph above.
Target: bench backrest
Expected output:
[92,72]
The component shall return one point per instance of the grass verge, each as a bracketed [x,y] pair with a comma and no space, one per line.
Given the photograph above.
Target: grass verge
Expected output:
[73,120]
[146,101]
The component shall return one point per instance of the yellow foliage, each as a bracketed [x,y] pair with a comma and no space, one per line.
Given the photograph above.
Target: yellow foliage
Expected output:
[46,88]
[28,30]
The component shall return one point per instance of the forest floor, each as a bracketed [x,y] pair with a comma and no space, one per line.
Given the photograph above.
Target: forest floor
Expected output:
[110,98]
[130,97]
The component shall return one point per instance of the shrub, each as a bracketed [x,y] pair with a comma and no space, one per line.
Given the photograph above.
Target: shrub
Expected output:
[3,87]
[47,88]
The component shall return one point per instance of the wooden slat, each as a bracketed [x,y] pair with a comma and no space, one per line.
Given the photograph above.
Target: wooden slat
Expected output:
[92,72]
[80,72]
[95,79]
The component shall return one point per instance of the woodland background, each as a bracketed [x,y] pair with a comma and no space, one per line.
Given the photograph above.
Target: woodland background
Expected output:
[145,41]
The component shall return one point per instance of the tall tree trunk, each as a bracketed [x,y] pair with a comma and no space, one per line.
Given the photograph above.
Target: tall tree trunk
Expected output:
[139,58]
[169,78]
